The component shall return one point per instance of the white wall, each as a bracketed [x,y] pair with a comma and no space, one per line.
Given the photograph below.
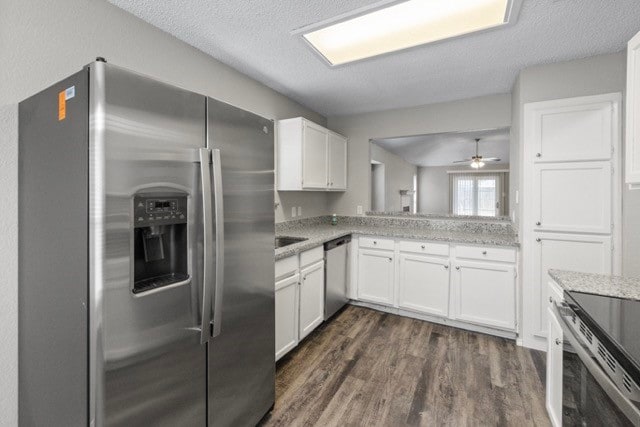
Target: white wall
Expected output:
[42,42]
[398,175]
[433,186]
[470,114]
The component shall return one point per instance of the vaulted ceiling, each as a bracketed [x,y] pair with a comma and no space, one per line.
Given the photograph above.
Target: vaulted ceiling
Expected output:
[254,37]
[442,149]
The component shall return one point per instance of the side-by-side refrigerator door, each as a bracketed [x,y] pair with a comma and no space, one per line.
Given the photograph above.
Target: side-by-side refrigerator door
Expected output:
[241,352]
[147,149]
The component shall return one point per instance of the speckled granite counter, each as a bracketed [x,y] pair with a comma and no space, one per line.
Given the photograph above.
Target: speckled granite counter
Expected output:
[598,284]
[318,231]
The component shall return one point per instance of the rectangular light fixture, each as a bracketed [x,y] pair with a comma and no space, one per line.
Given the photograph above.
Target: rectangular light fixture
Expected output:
[393,26]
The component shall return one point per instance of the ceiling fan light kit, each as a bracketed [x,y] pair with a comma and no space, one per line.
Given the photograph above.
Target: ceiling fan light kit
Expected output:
[477,161]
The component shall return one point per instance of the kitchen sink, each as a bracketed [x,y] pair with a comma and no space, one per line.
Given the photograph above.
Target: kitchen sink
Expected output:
[283,241]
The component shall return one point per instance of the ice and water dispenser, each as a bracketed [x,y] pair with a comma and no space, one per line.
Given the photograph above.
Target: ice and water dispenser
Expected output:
[160,240]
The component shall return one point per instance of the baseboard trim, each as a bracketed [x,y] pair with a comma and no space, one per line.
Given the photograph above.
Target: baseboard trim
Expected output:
[434,319]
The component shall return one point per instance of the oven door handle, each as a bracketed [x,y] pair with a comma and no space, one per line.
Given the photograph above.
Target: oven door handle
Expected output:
[609,387]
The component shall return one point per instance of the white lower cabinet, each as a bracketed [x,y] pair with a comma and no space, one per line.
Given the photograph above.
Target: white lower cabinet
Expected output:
[468,286]
[299,298]
[311,298]
[554,370]
[484,294]
[554,356]
[424,284]
[286,315]
[375,275]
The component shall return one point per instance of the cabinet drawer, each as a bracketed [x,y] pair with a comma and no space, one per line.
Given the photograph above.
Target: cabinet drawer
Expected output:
[489,253]
[430,248]
[311,256]
[376,243]
[286,267]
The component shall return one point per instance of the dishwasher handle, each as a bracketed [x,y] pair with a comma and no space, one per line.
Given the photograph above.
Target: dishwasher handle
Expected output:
[337,243]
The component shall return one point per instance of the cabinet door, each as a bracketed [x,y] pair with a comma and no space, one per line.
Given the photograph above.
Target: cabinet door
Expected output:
[424,284]
[337,162]
[485,294]
[575,197]
[633,113]
[286,315]
[314,157]
[585,253]
[375,276]
[311,298]
[554,370]
[580,129]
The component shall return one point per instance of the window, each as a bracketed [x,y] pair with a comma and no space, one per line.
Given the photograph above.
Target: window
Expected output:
[476,194]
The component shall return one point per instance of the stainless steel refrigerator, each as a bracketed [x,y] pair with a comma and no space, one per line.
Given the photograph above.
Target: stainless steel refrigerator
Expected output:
[146,258]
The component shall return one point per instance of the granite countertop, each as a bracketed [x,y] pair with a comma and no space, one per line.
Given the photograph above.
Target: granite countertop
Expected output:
[320,233]
[598,284]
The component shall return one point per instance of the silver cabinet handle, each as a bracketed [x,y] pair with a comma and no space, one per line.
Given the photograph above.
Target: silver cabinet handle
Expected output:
[551,300]
[484,252]
[446,267]
[538,154]
[558,341]
[458,267]
[422,246]
[219,221]
[538,239]
[205,176]
[375,243]
[390,259]
[538,223]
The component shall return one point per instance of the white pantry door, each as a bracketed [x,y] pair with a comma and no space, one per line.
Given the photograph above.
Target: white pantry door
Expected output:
[571,197]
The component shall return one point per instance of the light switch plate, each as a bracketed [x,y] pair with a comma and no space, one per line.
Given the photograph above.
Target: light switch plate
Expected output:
[359,210]
[517,197]
[293,212]
[299,210]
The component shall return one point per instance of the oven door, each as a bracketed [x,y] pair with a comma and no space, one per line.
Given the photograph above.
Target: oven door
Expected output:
[590,395]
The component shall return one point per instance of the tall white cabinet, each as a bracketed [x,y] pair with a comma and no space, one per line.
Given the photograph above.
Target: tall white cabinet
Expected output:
[571,197]
[632,173]
[310,157]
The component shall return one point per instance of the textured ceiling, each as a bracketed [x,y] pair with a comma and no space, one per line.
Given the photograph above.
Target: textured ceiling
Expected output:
[442,149]
[254,36]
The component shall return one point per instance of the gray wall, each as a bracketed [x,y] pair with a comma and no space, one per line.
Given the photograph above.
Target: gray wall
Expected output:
[470,114]
[433,186]
[42,42]
[590,76]
[398,175]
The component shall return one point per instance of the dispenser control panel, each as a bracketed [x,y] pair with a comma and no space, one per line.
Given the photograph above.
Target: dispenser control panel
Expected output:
[154,210]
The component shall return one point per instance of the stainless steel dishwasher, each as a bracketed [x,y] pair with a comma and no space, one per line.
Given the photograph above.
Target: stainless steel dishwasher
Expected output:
[336,274]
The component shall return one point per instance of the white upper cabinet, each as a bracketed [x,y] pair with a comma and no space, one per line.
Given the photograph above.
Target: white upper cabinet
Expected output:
[314,156]
[580,129]
[310,157]
[575,197]
[337,162]
[633,113]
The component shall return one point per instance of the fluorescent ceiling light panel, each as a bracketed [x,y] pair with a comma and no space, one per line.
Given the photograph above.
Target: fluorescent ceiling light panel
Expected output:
[403,25]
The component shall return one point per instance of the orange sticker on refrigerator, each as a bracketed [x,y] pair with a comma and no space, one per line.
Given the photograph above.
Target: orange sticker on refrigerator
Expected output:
[62,106]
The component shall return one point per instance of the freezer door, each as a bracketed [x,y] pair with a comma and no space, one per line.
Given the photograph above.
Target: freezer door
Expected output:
[147,365]
[241,357]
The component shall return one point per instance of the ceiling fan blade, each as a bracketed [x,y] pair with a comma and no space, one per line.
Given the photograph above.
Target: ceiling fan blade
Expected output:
[491,159]
[462,161]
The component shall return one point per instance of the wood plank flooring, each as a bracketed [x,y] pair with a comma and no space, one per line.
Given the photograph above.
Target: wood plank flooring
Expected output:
[367,368]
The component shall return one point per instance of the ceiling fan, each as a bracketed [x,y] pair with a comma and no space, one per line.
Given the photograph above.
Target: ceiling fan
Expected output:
[478,161]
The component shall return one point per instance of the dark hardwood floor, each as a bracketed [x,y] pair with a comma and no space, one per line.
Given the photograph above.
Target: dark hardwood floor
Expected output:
[367,368]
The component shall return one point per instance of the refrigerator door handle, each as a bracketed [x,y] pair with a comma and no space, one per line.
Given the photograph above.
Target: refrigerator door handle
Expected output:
[219,218]
[205,173]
